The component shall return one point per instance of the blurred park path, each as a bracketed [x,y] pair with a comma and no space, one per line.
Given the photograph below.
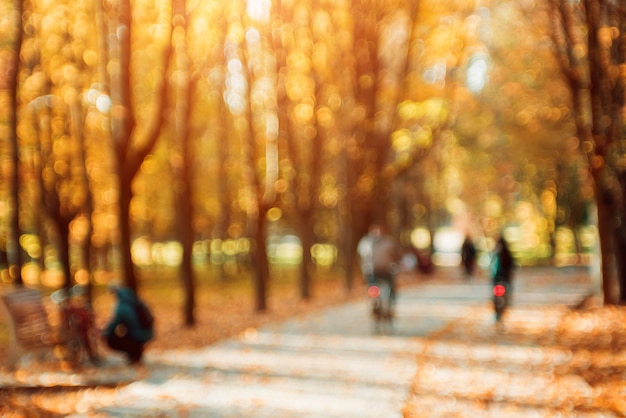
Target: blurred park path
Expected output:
[330,364]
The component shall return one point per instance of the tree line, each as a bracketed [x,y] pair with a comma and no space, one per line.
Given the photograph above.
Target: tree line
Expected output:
[331,114]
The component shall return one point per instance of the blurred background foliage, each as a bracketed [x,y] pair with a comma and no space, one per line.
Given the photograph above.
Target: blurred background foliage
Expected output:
[295,124]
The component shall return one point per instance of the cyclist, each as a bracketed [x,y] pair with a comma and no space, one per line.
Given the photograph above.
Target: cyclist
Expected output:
[503,262]
[386,257]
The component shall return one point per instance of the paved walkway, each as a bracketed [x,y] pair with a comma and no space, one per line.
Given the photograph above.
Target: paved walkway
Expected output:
[330,364]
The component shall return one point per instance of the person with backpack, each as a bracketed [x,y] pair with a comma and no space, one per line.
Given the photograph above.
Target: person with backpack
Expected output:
[131,326]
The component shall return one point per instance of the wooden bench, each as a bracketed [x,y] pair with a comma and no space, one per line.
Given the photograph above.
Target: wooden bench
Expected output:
[29,322]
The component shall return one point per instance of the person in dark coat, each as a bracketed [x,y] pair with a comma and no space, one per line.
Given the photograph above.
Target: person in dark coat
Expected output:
[468,256]
[124,332]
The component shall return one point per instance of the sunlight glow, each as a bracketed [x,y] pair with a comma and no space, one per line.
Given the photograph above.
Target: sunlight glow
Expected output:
[436,74]
[236,86]
[477,74]
[259,10]
[324,254]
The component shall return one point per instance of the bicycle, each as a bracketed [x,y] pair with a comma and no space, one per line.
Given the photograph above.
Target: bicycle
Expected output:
[77,334]
[501,296]
[382,305]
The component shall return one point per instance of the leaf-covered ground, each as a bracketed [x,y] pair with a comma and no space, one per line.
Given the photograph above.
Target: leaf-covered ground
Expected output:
[541,361]
[222,312]
[221,316]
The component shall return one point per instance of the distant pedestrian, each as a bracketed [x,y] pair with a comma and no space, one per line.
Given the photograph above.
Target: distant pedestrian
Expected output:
[128,331]
[468,256]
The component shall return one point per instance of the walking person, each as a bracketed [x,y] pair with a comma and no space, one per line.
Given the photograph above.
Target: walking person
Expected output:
[468,257]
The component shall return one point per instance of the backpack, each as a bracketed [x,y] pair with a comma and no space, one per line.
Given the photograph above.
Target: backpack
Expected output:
[146,320]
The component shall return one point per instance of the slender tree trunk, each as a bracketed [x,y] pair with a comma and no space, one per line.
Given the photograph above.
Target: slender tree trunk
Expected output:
[620,244]
[122,127]
[129,150]
[606,227]
[619,103]
[263,188]
[186,268]
[221,226]
[14,249]
[307,238]
[184,174]
[261,264]
[87,246]
[63,248]
[349,246]
[125,236]
[620,241]
[603,137]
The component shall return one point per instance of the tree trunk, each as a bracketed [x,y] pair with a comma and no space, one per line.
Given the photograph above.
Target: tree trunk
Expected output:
[186,198]
[186,268]
[14,249]
[63,248]
[122,126]
[620,247]
[129,157]
[307,237]
[348,245]
[606,226]
[260,264]
[125,237]
[620,242]
[592,87]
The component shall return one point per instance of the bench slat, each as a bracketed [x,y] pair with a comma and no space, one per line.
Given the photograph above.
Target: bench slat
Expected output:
[29,316]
